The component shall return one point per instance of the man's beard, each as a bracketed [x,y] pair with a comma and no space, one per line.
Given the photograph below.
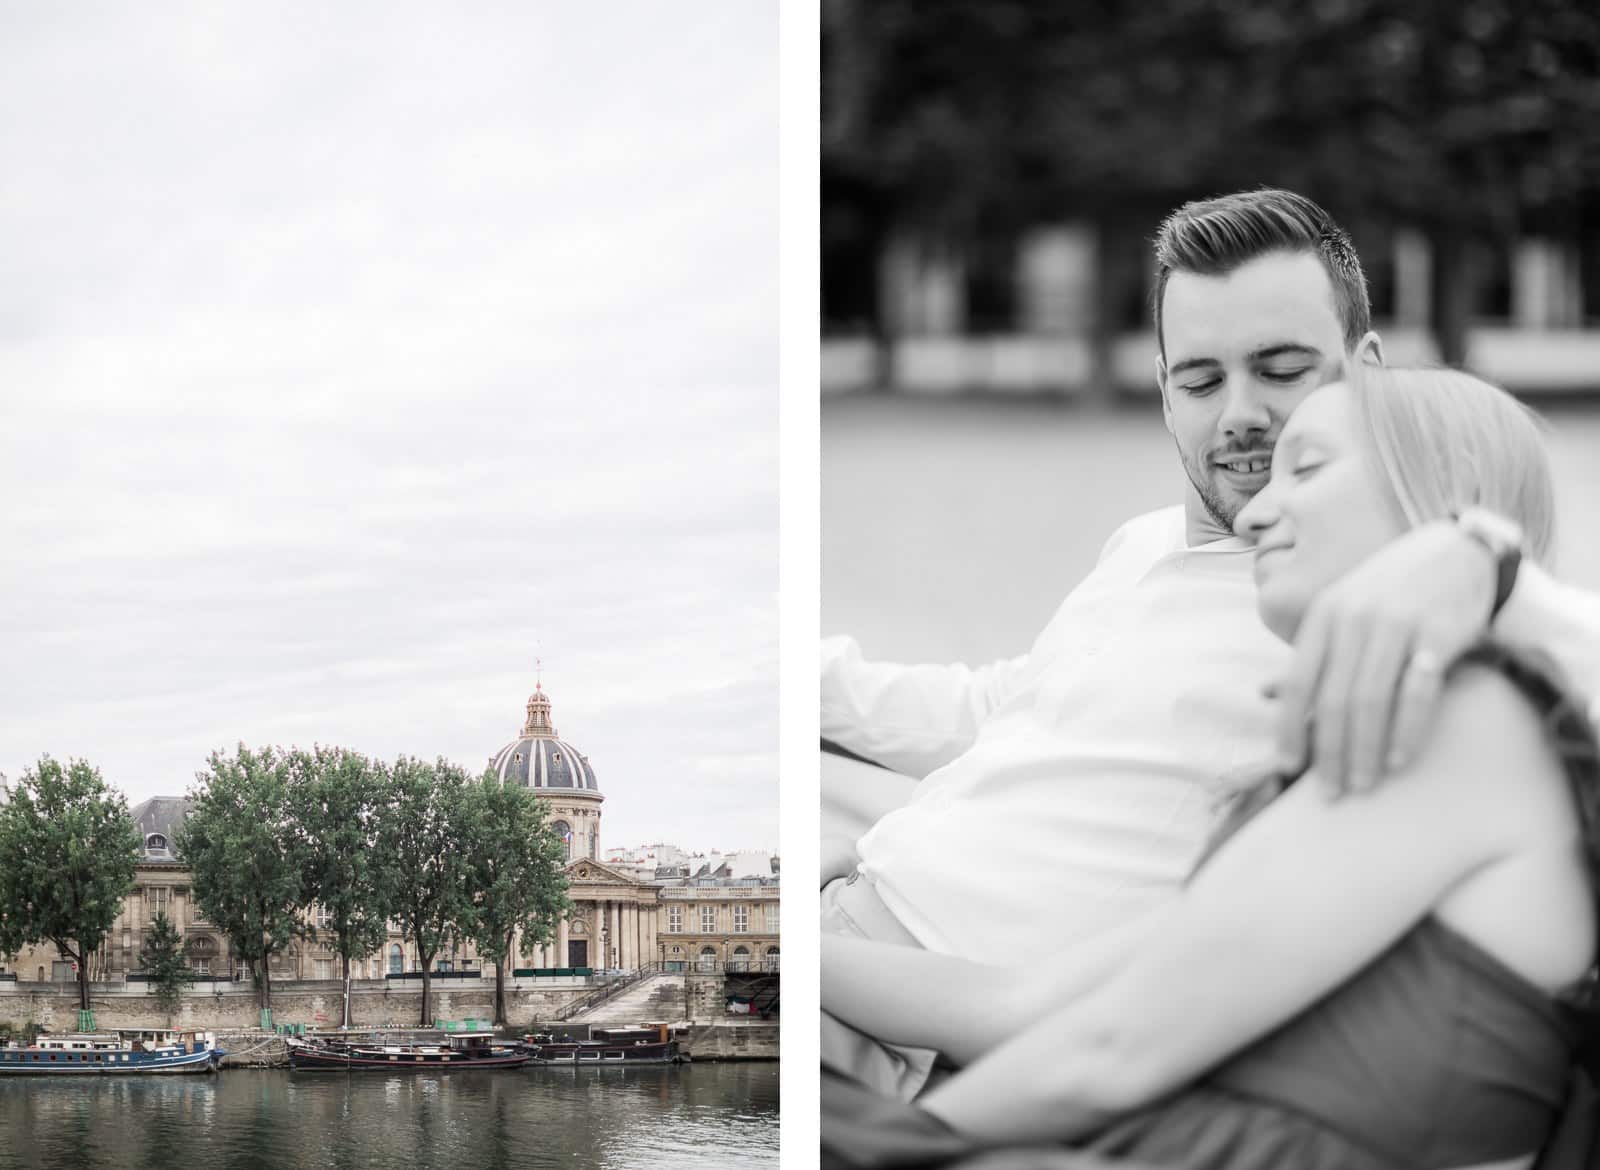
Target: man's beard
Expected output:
[1223,509]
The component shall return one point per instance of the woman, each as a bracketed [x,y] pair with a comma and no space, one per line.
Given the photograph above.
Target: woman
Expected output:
[1390,979]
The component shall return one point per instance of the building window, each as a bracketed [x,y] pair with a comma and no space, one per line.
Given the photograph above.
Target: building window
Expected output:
[564,834]
[740,960]
[397,959]
[708,919]
[155,841]
[322,969]
[741,920]
[674,919]
[158,899]
[772,917]
[708,958]
[770,960]
[324,918]
[200,966]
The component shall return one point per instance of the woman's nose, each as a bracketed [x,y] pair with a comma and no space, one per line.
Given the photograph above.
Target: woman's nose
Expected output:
[1260,514]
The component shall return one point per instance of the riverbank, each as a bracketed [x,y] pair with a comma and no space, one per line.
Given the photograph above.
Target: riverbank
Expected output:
[718,1042]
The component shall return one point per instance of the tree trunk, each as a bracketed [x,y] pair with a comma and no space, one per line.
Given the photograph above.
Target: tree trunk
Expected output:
[266,983]
[426,959]
[83,978]
[1454,290]
[500,982]
[346,1021]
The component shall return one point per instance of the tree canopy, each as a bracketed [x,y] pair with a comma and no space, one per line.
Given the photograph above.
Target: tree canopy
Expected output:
[161,955]
[334,797]
[70,850]
[514,873]
[417,844]
[241,845]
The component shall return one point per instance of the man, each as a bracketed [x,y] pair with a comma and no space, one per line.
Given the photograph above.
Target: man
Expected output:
[1092,767]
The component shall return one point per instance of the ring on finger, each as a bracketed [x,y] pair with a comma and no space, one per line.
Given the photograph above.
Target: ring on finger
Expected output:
[1425,662]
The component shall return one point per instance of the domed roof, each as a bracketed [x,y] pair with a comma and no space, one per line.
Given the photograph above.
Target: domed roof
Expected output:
[538,758]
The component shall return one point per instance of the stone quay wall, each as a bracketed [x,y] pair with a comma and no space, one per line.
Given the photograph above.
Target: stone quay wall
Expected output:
[233,1011]
[314,1004]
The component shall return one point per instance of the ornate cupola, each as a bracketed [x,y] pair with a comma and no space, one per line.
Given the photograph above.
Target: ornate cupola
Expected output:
[538,759]
[538,725]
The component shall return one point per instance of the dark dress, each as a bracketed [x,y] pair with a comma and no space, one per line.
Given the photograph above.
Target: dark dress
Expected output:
[1436,1055]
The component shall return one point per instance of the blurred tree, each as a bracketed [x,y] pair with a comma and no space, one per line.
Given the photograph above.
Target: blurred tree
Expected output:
[1468,121]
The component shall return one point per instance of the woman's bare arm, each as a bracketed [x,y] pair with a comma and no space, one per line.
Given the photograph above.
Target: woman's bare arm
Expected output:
[1295,904]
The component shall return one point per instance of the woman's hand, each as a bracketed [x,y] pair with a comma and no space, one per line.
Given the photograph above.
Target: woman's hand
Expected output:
[838,858]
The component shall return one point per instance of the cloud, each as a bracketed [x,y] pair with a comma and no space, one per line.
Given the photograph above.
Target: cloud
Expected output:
[353,358]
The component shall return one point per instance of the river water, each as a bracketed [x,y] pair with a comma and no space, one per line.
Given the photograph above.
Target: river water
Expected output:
[658,1116]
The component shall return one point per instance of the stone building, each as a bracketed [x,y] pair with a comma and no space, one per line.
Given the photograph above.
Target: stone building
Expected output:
[711,920]
[160,886]
[617,920]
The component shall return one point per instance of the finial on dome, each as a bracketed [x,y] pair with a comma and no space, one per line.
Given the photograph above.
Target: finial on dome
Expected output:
[538,725]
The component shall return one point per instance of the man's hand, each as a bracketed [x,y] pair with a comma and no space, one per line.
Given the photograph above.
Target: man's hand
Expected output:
[1370,656]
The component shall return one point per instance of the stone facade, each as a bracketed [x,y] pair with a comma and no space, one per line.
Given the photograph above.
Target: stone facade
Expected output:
[727,923]
[619,920]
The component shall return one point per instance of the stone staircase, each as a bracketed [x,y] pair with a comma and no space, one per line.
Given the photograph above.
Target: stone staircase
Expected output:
[655,997]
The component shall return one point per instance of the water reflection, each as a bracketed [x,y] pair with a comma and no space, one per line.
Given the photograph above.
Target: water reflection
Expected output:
[617,1118]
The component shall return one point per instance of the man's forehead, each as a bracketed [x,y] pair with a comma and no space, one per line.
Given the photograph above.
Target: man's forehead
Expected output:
[1275,300]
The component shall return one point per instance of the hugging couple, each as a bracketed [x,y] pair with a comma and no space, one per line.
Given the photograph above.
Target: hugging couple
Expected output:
[1299,787]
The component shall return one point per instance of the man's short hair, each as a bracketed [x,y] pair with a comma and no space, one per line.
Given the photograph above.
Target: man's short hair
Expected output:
[1212,237]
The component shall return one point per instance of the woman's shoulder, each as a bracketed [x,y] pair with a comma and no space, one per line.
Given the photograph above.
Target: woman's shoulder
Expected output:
[1503,742]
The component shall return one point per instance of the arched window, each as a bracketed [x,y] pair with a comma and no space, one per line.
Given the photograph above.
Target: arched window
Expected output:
[564,833]
[740,960]
[708,958]
[155,841]
[397,959]
[770,960]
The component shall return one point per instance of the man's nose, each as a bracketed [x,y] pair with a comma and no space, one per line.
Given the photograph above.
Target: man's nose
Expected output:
[1244,410]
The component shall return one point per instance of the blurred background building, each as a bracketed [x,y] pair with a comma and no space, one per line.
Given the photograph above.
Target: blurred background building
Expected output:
[993,172]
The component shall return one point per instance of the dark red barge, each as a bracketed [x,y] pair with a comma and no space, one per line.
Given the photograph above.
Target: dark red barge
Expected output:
[463,1050]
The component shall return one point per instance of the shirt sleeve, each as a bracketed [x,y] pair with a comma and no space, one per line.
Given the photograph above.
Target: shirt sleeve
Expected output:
[913,719]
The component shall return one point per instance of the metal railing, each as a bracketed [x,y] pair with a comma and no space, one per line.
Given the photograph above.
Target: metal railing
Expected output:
[614,984]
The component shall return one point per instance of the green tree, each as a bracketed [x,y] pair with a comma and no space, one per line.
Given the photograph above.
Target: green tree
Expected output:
[417,846]
[161,955]
[514,873]
[334,794]
[70,849]
[241,845]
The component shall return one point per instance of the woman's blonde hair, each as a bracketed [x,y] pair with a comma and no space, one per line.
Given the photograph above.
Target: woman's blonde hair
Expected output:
[1448,441]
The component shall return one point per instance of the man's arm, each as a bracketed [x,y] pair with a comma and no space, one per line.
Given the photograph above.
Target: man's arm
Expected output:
[910,719]
[1563,622]
[1368,668]
[906,995]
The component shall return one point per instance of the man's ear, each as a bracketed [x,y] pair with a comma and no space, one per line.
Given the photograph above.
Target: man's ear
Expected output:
[1161,385]
[1370,349]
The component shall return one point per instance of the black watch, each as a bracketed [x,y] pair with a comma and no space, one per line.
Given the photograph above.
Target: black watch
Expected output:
[1503,539]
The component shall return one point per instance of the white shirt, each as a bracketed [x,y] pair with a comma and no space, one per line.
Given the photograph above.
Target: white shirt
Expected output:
[1070,789]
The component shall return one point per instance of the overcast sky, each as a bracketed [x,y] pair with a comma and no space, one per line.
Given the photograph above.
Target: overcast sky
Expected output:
[353,359]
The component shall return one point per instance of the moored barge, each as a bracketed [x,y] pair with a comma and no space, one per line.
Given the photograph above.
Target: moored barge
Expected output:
[648,1044]
[113,1053]
[475,1050]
